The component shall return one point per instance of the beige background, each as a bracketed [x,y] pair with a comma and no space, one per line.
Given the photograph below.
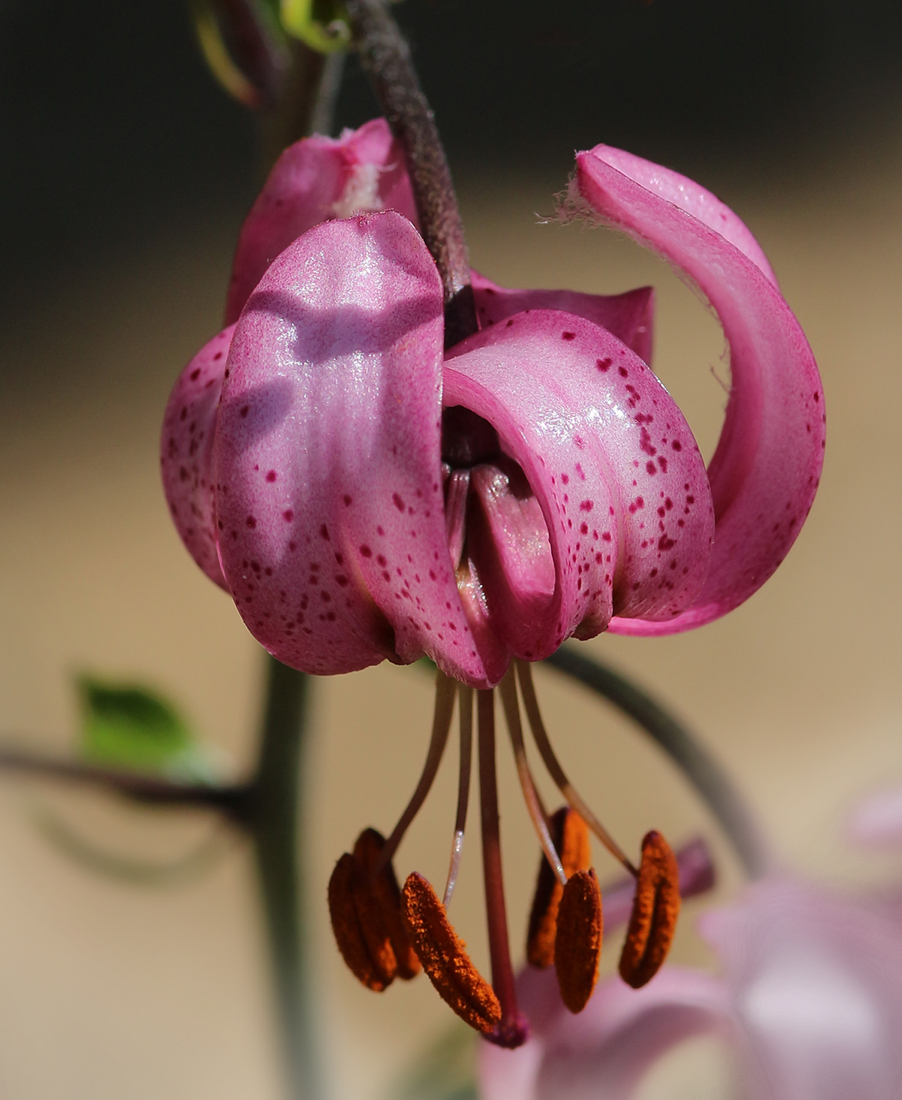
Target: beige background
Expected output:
[111,991]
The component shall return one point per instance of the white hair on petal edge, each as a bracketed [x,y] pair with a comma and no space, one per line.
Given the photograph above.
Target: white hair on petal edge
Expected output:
[361,193]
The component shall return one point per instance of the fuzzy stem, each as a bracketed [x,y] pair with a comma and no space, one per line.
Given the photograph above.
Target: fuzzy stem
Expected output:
[385,55]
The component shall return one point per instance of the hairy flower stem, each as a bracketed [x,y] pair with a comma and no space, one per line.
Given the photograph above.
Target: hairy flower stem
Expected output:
[717,789]
[386,57]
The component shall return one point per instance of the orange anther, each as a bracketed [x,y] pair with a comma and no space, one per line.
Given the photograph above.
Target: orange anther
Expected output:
[577,944]
[444,957]
[366,916]
[349,933]
[378,900]
[656,907]
[571,839]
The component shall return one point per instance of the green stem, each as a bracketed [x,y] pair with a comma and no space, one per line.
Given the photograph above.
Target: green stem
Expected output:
[716,788]
[276,827]
[231,799]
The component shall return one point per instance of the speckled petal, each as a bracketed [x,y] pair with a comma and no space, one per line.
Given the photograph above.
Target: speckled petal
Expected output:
[612,463]
[186,448]
[327,458]
[628,316]
[313,181]
[766,468]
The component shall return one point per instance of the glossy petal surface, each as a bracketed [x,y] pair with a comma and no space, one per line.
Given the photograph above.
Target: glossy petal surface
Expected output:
[315,180]
[766,468]
[611,462]
[327,458]
[186,450]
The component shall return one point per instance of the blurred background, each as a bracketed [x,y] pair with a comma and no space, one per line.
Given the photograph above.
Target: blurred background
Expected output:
[124,176]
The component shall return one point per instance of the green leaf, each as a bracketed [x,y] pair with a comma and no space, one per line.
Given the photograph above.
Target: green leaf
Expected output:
[128,726]
[320,24]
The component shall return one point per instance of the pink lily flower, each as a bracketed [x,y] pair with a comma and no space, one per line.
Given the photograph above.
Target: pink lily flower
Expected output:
[365,494]
[564,470]
[810,1001]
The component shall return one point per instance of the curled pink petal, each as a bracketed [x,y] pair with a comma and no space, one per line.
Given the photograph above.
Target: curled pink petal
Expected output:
[766,468]
[313,181]
[627,316]
[612,464]
[186,449]
[327,458]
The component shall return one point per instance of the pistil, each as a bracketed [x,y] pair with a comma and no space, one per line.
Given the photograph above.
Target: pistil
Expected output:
[512,1031]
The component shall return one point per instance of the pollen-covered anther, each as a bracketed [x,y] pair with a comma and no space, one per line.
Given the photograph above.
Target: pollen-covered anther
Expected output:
[379,898]
[571,839]
[444,957]
[577,944]
[365,911]
[656,906]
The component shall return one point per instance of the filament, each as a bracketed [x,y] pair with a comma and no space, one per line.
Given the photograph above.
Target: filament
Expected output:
[537,811]
[531,703]
[463,787]
[441,726]
[456,512]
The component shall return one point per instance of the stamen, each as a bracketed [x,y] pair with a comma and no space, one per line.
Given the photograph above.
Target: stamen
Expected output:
[697,875]
[531,704]
[457,490]
[463,787]
[577,945]
[534,804]
[365,908]
[445,959]
[569,832]
[656,907]
[441,726]
[512,1031]
[375,973]
[378,900]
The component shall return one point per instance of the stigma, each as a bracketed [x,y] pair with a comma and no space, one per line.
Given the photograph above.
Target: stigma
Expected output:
[385,931]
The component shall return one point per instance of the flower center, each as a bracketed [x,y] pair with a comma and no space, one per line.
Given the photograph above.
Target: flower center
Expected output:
[467,439]
[384,932]
[497,535]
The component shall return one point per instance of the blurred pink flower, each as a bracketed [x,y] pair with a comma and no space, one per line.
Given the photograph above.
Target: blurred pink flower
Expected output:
[810,1002]
[363,495]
